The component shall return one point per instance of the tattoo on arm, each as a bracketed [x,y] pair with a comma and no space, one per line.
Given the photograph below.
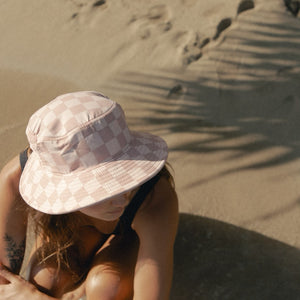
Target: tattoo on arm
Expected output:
[15,253]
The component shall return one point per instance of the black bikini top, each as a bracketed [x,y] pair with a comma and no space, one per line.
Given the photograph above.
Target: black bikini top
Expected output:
[130,211]
[23,158]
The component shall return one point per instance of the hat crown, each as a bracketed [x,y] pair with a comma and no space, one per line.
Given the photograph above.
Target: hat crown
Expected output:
[76,131]
[83,153]
[67,112]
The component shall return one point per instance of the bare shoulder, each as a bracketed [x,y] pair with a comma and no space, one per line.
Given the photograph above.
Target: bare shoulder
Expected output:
[163,198]
[10,173]
[159,212]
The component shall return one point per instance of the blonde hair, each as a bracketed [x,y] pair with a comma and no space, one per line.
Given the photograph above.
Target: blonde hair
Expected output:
[59,234]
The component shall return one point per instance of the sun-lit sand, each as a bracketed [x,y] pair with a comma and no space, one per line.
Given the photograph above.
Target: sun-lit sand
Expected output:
[219,80]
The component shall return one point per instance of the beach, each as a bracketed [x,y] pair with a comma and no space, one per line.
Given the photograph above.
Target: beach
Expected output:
[219,81]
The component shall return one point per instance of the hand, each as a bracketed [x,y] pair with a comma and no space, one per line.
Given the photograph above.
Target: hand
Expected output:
[18,288]
[75,294]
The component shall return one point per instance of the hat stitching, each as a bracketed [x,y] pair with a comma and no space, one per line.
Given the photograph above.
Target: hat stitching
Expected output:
[78,128]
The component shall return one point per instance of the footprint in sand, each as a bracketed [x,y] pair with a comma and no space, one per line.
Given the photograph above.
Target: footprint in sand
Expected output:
[82,3]
[176,91]
[87,11]
[157,18]
[227,22]
[99,3]
[223,24]
[193,49]
[245,5]
[293,6]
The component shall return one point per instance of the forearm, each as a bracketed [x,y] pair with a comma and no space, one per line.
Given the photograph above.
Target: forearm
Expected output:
[12,252]
[18,288]
[13,218]
[12,239]
[153,281]
[34,294]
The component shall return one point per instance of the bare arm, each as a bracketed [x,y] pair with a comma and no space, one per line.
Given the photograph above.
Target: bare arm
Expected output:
[156,226]
[20,289]
[13,219]
[13,223]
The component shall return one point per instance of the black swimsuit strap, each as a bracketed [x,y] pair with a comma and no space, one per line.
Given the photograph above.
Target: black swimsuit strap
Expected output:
[131,210]
[23,158]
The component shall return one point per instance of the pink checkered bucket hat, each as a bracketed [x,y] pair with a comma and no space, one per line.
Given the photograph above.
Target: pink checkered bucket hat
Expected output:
[83,153]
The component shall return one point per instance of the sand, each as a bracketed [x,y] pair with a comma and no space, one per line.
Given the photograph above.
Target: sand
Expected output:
[219,80]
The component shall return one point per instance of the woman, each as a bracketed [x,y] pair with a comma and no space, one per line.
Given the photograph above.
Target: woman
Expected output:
[101,201]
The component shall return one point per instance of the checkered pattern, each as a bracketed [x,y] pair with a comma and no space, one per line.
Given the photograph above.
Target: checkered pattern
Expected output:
[83,153]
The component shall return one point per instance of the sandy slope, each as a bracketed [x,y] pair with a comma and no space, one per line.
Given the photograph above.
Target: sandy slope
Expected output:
[219,82]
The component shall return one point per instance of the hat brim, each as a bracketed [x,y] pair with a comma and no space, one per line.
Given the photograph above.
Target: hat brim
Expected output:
[54,193]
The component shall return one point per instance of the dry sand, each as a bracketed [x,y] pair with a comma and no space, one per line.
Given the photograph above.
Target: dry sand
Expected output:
[219,80]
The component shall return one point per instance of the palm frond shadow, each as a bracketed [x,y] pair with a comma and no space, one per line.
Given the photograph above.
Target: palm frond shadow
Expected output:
[261,104]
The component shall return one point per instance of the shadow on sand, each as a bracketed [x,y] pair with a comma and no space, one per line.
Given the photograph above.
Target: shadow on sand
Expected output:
[216,260]
[241,99]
